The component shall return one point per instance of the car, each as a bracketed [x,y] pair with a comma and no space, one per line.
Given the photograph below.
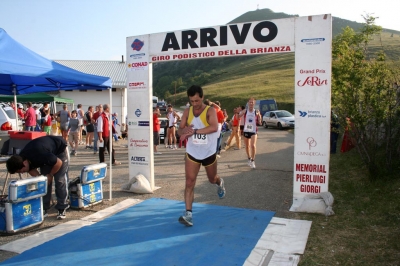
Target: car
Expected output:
[162,106]
[278,118]
[7,122]
[163,129]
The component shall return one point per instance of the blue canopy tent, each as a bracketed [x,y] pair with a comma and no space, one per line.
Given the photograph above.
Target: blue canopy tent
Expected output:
[23,71]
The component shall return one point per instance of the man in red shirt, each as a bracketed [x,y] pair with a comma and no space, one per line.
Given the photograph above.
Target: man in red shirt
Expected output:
[156,130]
[221,120]
[30,118]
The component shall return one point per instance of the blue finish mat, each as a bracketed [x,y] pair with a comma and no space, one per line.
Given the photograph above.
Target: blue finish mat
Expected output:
[149,234]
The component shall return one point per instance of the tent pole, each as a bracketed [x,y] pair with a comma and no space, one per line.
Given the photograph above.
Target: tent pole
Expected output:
[110,141]
[15,107]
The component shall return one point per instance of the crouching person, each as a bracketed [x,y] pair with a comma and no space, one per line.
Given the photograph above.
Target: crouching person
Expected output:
[50,155]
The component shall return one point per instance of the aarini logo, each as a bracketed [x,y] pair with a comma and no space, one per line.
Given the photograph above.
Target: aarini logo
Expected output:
[138,112]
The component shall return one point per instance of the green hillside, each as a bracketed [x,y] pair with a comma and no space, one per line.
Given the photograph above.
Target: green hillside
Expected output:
[232,80]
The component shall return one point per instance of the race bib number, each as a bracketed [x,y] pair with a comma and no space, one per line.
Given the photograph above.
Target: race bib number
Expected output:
[199,139]
[249,128]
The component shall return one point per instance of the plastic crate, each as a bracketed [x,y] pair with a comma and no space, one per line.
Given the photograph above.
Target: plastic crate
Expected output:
[26,134]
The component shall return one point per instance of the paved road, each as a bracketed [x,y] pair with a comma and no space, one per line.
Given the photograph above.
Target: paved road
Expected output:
[268,187]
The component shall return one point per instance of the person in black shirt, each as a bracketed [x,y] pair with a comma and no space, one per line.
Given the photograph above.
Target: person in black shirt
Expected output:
[50,155]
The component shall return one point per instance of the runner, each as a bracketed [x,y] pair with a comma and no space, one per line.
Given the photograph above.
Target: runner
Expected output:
[200,125]
[252,118]
[173,118]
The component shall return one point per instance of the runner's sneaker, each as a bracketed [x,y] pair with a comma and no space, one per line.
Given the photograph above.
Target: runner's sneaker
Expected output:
[175,148]
[186,218]
[221,189]
[61,214]
[253,165]
[249,162]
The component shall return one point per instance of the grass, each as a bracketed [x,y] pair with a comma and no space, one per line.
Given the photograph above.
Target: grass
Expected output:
[365,228]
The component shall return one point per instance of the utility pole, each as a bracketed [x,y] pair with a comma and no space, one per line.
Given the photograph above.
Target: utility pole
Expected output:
[175,94]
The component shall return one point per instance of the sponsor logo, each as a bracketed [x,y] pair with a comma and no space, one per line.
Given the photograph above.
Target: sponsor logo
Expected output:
[132,123]
[312,81]
[139,160]
[137,85]
[137,56]
[302,114]
[138,113]
[211,37]
[311,114]
[311,153]
[313,41]
[139,143]
[311,142]
[143,123]
[138,65]
[137,45]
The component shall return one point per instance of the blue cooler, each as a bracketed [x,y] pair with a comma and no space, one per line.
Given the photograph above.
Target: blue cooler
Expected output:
[23,208]
[87,189]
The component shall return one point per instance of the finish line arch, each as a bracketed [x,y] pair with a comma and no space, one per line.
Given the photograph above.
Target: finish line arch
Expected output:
[310,37]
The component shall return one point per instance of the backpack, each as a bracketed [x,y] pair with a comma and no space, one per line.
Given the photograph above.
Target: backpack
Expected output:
[86,119]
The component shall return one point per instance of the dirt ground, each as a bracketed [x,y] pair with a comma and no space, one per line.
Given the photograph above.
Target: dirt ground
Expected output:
[268,187]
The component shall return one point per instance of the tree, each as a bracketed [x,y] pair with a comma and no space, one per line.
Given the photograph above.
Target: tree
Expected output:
[363,91]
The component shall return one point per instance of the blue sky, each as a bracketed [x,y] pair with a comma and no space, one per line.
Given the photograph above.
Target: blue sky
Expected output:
[97,29]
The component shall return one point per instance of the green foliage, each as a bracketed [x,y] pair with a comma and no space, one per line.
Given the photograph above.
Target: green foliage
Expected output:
[363,91]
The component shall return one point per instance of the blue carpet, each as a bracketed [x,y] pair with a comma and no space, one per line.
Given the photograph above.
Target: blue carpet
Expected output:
[149,234]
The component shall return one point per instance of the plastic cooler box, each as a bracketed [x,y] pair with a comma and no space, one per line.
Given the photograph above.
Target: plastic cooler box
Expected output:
[87,189]
[18,139]
[24,206]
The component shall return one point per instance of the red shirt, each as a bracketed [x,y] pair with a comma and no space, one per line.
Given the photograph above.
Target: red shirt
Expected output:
[220,116]
[156,123]
[30,117]
[95,116]
[106,129]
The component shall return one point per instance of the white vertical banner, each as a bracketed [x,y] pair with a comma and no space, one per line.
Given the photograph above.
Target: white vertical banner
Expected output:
[313,60]
[140,108]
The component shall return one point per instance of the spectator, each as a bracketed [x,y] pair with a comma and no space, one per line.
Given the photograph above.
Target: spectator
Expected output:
[38,118]
[30,118]
[104,133]
[115,123]
[73,128]
[95,116]
[235,130]
[43,110]
[80,115]
[63,117]
[173,118]
[334,131]
[21,112]
[156,130]
[89,127]
[47,122]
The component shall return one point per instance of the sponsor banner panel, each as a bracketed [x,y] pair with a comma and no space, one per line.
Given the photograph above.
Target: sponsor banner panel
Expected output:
[250,38]
[140,163]
[312,105]
[139,98]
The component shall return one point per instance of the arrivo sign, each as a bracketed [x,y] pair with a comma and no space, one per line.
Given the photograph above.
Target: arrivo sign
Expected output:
[191,39]
[249,38]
